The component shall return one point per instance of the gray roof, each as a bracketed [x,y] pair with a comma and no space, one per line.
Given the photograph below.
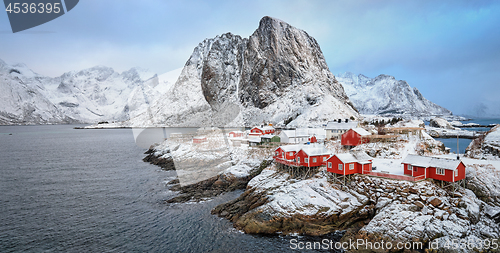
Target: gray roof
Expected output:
[427,161]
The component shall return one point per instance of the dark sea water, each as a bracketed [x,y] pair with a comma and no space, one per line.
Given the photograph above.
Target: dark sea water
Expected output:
[67,190]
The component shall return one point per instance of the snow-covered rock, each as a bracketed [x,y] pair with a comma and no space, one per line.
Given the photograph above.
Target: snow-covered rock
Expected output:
[386,95]
[277,75]
[440,123]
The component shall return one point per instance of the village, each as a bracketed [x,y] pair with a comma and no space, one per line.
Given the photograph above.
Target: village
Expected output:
[342,147]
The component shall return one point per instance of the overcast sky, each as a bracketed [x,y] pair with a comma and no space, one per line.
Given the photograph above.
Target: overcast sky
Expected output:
[449,50]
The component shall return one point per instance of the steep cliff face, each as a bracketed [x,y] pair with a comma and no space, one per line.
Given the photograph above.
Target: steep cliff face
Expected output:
[277,75]
[280,57]
[386,95]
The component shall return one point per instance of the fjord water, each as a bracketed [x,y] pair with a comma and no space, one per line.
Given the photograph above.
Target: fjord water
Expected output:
[67,190]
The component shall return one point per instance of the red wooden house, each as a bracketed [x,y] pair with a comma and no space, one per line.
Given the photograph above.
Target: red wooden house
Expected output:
[286,153]
[444,169]
[312,155]
[257,131]
[347,164]
[355,136]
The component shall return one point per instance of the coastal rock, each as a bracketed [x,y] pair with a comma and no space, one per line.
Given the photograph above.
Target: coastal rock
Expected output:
[301,206]
[277,75]
[440,123]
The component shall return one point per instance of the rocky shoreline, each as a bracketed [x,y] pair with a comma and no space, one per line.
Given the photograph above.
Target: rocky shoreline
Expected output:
[368,208]
[164,161]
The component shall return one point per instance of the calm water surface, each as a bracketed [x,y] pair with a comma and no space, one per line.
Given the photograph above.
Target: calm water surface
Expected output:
[67,190]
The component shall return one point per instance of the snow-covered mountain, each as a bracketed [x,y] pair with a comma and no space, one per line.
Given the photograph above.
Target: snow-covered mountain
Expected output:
[386,95]
[277,75]
[87,96]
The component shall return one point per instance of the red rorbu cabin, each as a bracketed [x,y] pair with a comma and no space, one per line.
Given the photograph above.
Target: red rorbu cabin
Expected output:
[355,136]
[347,164]
[286,154]
[312,155]
[444,169]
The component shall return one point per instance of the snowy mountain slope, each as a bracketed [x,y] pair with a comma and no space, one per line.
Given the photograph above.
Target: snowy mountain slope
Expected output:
[386,95]
[22,98]
[88,96]
[278,74]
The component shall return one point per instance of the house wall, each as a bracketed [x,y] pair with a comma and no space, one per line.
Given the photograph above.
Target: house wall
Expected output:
[311,163]
[335,165]
[449,175]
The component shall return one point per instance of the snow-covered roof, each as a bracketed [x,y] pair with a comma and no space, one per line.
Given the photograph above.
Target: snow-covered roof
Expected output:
[427,161]
[288,148]
[315,149]
[361,131]
[293,133]
[346,158]
[361,156]
[254,139]
[267,136]
[334,125]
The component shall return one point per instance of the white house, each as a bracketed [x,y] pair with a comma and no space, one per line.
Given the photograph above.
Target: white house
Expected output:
[338,127]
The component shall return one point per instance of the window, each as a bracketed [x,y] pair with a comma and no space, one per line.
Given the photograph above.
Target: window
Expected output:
[298,159]
[456,173]
[341,166]
[306,160]
[410,167]
[440,171]
[290,153]
[324,158]
[415,169]
[314,159]
[277,153]
[329,165]
[351,166]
